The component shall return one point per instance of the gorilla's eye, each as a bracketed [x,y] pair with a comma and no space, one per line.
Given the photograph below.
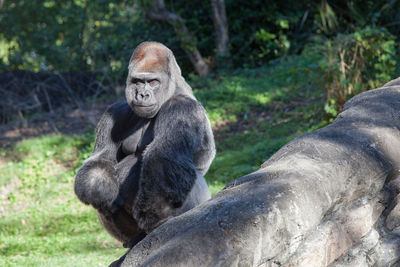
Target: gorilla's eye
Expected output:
[138,82]
[153,82]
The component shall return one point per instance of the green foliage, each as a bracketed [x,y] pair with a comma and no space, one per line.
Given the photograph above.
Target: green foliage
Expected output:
[326,19]
[239,100]
[356,62]
[77,35]
[228,97]
[260,32]
[99,35]
[270,44]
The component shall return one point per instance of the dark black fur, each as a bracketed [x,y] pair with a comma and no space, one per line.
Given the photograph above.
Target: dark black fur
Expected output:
[146,169]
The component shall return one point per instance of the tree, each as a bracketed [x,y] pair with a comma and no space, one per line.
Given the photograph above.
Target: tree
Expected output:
[156,10]
[221,30]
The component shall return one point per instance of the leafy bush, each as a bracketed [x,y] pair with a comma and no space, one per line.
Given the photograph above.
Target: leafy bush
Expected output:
[99,35]
[77,35]
[272,45]
[356,62]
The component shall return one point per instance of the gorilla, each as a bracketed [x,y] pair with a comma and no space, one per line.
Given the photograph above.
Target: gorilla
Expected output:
[151,151]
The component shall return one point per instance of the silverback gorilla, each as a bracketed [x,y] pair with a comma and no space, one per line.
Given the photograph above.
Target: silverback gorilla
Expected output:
[151,152]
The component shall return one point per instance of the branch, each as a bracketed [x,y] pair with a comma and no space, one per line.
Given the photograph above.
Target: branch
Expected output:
[159,12]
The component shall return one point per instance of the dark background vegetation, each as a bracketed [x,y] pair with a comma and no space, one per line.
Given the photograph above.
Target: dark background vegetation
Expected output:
[82,35]
[92,41]
[287,69]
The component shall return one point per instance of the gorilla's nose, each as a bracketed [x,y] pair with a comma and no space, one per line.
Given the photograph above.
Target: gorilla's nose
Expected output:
[143,96]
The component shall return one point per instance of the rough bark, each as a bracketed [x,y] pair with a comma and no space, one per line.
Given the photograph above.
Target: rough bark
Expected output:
[328,198]
[159,12]
[221,29]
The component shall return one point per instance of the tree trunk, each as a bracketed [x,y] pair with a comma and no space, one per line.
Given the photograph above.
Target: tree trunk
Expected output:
[188,42]
[221,31]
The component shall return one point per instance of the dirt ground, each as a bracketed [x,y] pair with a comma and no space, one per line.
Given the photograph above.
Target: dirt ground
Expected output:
[65,120]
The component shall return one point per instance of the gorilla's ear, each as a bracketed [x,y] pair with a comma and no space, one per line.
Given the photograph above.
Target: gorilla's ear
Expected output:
[176,75]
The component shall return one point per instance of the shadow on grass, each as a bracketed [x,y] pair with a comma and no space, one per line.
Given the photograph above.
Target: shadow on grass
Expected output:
[42,224]
[50,234]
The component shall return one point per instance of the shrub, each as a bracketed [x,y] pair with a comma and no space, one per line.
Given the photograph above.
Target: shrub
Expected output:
[357,62]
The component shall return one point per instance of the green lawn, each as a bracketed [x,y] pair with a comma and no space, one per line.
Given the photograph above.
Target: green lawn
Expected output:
[253,112]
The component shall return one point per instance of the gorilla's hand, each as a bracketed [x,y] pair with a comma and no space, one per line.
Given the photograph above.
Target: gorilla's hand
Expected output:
[164,185]
[111,207]
[95,184]
[149,212]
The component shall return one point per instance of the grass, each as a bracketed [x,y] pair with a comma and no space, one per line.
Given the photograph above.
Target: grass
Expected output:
[253,112]
[274,103]
[42,222]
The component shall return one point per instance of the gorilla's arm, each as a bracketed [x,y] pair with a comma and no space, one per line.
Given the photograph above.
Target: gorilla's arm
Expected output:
[95,182]
[182,141]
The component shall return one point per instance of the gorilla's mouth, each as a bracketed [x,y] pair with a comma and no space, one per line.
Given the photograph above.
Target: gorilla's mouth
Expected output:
[144,106]
[145,111]
[141,105]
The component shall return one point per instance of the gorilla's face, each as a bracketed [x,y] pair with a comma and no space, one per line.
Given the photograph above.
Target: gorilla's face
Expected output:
[146,92]
[150,81]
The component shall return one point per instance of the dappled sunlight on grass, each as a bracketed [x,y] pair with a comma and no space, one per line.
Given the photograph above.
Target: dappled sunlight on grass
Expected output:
[42,219]
[228,97]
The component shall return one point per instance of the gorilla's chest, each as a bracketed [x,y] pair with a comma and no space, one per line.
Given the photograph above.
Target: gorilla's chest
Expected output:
[138,138]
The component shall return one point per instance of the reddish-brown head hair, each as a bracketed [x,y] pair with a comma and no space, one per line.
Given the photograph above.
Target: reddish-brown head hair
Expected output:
[150,57]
